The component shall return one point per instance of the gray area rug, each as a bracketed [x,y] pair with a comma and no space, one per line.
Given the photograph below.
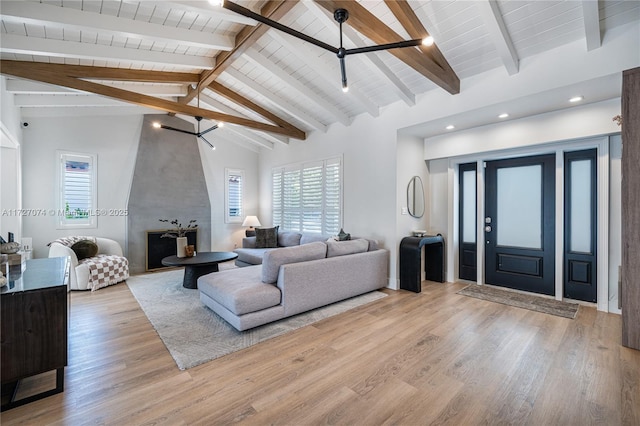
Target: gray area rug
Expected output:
[194,334]
[519,300]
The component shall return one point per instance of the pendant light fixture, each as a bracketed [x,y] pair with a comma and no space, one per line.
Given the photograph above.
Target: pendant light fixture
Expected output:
[341,16]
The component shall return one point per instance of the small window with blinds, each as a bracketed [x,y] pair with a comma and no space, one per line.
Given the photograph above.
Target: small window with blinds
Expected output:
[308,197]
[77,191]
[234,181]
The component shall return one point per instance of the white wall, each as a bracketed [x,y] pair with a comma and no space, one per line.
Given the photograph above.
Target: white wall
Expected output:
[227,236]
[572,123]
[9,113]
[10,172]
[615,219]
[409,150]
[10,192]
[113,139]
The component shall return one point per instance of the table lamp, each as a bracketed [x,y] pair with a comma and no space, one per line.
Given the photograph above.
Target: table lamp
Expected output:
[250,221]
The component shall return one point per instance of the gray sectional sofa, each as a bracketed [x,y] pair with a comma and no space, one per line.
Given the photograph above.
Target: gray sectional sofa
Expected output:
[294,279]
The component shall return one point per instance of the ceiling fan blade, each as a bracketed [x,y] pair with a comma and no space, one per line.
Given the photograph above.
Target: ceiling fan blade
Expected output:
[163,126]
[278,26]
[399,44]
[207,142]
[207,131]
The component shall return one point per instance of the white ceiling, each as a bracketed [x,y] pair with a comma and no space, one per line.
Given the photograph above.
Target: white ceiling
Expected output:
[297,81]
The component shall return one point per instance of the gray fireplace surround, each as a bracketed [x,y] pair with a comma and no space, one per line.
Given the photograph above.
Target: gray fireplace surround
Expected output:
[168,183]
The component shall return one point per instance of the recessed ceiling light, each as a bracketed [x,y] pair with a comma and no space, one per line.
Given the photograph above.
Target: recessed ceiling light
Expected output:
[503,115]
[450,127]
[576,99]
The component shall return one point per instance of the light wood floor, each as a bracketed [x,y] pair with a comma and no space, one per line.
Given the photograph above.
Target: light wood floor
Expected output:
[409,359]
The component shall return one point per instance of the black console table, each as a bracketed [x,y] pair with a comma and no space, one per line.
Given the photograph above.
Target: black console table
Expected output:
[410,251]
[34,327]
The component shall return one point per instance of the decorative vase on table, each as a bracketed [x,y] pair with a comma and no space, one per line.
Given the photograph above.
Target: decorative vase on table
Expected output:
[179,233]
[181,244]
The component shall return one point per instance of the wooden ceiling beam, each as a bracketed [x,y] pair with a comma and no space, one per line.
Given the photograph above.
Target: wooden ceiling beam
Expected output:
[412,24]
[274,9]
[247,103]
[103,73]
[373,28]
[40,72]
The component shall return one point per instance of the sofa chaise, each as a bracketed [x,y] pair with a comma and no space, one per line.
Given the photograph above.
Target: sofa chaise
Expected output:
[294,279]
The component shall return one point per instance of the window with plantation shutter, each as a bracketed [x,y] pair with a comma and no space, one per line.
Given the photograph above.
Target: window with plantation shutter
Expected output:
[77,190]
[234,181]
[308,197]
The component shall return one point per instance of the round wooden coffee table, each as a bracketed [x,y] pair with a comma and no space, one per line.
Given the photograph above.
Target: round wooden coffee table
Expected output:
[201,264]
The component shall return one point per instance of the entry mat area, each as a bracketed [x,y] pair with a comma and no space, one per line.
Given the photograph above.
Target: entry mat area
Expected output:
[520,300]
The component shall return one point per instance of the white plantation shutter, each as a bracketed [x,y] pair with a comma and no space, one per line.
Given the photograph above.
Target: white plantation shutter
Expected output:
[312,195]
[77,190]
[333,197]
[277,178]
[308,197]
[292,201]
[234,195]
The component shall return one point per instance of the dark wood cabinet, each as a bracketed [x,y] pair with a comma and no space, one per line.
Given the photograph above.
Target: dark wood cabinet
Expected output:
[34,326]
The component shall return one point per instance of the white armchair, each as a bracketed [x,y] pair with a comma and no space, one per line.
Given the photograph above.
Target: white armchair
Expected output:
[108,267]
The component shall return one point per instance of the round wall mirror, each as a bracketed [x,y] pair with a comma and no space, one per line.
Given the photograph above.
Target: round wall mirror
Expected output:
[415,197]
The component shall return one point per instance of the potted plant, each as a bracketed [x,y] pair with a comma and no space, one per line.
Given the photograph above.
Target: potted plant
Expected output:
[179,233]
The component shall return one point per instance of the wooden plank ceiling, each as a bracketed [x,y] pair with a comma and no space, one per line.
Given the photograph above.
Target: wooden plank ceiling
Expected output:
[195,59]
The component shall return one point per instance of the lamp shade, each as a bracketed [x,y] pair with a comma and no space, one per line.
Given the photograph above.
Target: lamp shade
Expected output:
[251,221]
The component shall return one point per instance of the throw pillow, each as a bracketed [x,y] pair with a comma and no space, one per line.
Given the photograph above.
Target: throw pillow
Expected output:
[267,237]
[84,249]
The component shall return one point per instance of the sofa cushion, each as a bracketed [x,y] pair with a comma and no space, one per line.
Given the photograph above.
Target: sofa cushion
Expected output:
[311,237]
[342,248]
[240,290]
[289,238]
[267,237]
[251,255]
[272,259]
